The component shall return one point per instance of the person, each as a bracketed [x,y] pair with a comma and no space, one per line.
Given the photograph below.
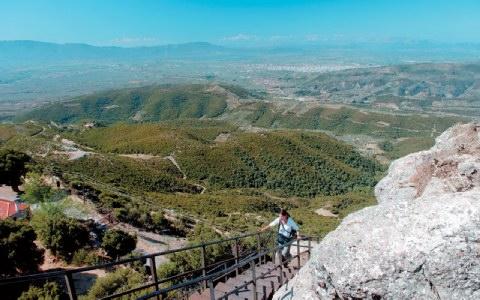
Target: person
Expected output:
[286,232]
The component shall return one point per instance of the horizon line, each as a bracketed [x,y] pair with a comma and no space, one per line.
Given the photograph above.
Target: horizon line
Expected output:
[260,45]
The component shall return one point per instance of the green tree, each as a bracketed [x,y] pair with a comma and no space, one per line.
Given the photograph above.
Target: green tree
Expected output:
[18,252]
[118,243]
[49,291]
[36,191]
[118,281]
[60,234]
[13,165]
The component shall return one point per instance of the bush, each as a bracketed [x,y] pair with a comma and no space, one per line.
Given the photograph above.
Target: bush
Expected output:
[13,165]
[83,257]
[36,191]
[18,252]
[49,291]
[118,243]
[118,281]
[60,234]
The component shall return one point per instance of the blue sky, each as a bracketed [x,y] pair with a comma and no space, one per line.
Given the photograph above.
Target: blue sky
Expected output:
[248,22]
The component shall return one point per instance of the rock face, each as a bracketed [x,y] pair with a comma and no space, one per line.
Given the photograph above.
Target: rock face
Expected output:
[422,241]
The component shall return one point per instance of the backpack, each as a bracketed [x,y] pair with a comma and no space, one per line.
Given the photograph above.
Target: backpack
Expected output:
[281,239]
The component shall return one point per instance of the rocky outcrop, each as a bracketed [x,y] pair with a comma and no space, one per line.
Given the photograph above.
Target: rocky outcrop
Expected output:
[422,241]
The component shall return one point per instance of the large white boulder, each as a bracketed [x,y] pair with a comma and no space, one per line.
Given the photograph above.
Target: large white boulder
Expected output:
[422,241]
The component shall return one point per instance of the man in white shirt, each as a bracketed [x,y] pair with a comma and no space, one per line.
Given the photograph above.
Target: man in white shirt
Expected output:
[287,231]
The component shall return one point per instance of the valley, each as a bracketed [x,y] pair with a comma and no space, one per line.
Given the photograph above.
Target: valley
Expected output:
[202,157]
[379,133]
[241,150]
[178,182]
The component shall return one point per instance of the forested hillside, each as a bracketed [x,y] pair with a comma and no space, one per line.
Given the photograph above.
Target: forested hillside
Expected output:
[130,169]
[154,103]
[292,162]
[392,134]
[209,152]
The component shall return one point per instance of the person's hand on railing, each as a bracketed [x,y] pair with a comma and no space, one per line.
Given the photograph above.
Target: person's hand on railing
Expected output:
[265,228]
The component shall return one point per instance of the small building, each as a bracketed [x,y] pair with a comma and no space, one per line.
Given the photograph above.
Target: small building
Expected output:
[13,209]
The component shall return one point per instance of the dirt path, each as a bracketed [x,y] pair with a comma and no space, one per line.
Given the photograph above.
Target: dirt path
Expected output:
[325,213]
[71,149]
[170,158]
[147,242]
[141,156]
[272,196]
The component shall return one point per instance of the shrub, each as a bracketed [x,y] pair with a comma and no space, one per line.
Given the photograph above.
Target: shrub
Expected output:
[36,191]
[118,243]
[13,165]
[120,280]
[18,252]
[49,291]
[83,257]
[60,234]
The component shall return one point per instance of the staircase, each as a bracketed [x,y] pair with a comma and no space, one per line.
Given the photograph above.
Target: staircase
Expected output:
[244,275]
[268,279]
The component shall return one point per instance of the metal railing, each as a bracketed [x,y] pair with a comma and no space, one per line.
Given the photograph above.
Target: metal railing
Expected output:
[251,262]
[193,280]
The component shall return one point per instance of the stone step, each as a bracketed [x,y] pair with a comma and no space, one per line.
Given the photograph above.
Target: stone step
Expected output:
[243,293]
[222,287]
[198,296]
[240,279]
[268,281]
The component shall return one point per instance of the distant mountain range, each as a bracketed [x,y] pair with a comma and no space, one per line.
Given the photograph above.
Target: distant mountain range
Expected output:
[29,53]
[33,52]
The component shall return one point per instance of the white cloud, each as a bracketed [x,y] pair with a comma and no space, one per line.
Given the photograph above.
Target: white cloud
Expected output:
[136,41]
[280,38]
[241,37]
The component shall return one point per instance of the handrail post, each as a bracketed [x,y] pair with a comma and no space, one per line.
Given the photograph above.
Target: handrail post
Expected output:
[236,256]
[259,247]
[153,267]
[254,279]
[203,261]
[281,271]
[309,248]
[212,289]
[298,253]
[275,250]
[226,275]
[72,294]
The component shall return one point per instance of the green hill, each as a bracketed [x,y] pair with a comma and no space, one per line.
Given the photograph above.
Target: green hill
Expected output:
[153,103]
[291,162]
[224,175]
[343,120]
[394,134]
[183,102]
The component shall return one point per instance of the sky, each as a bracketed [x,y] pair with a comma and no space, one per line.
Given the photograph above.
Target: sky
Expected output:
[250,22]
